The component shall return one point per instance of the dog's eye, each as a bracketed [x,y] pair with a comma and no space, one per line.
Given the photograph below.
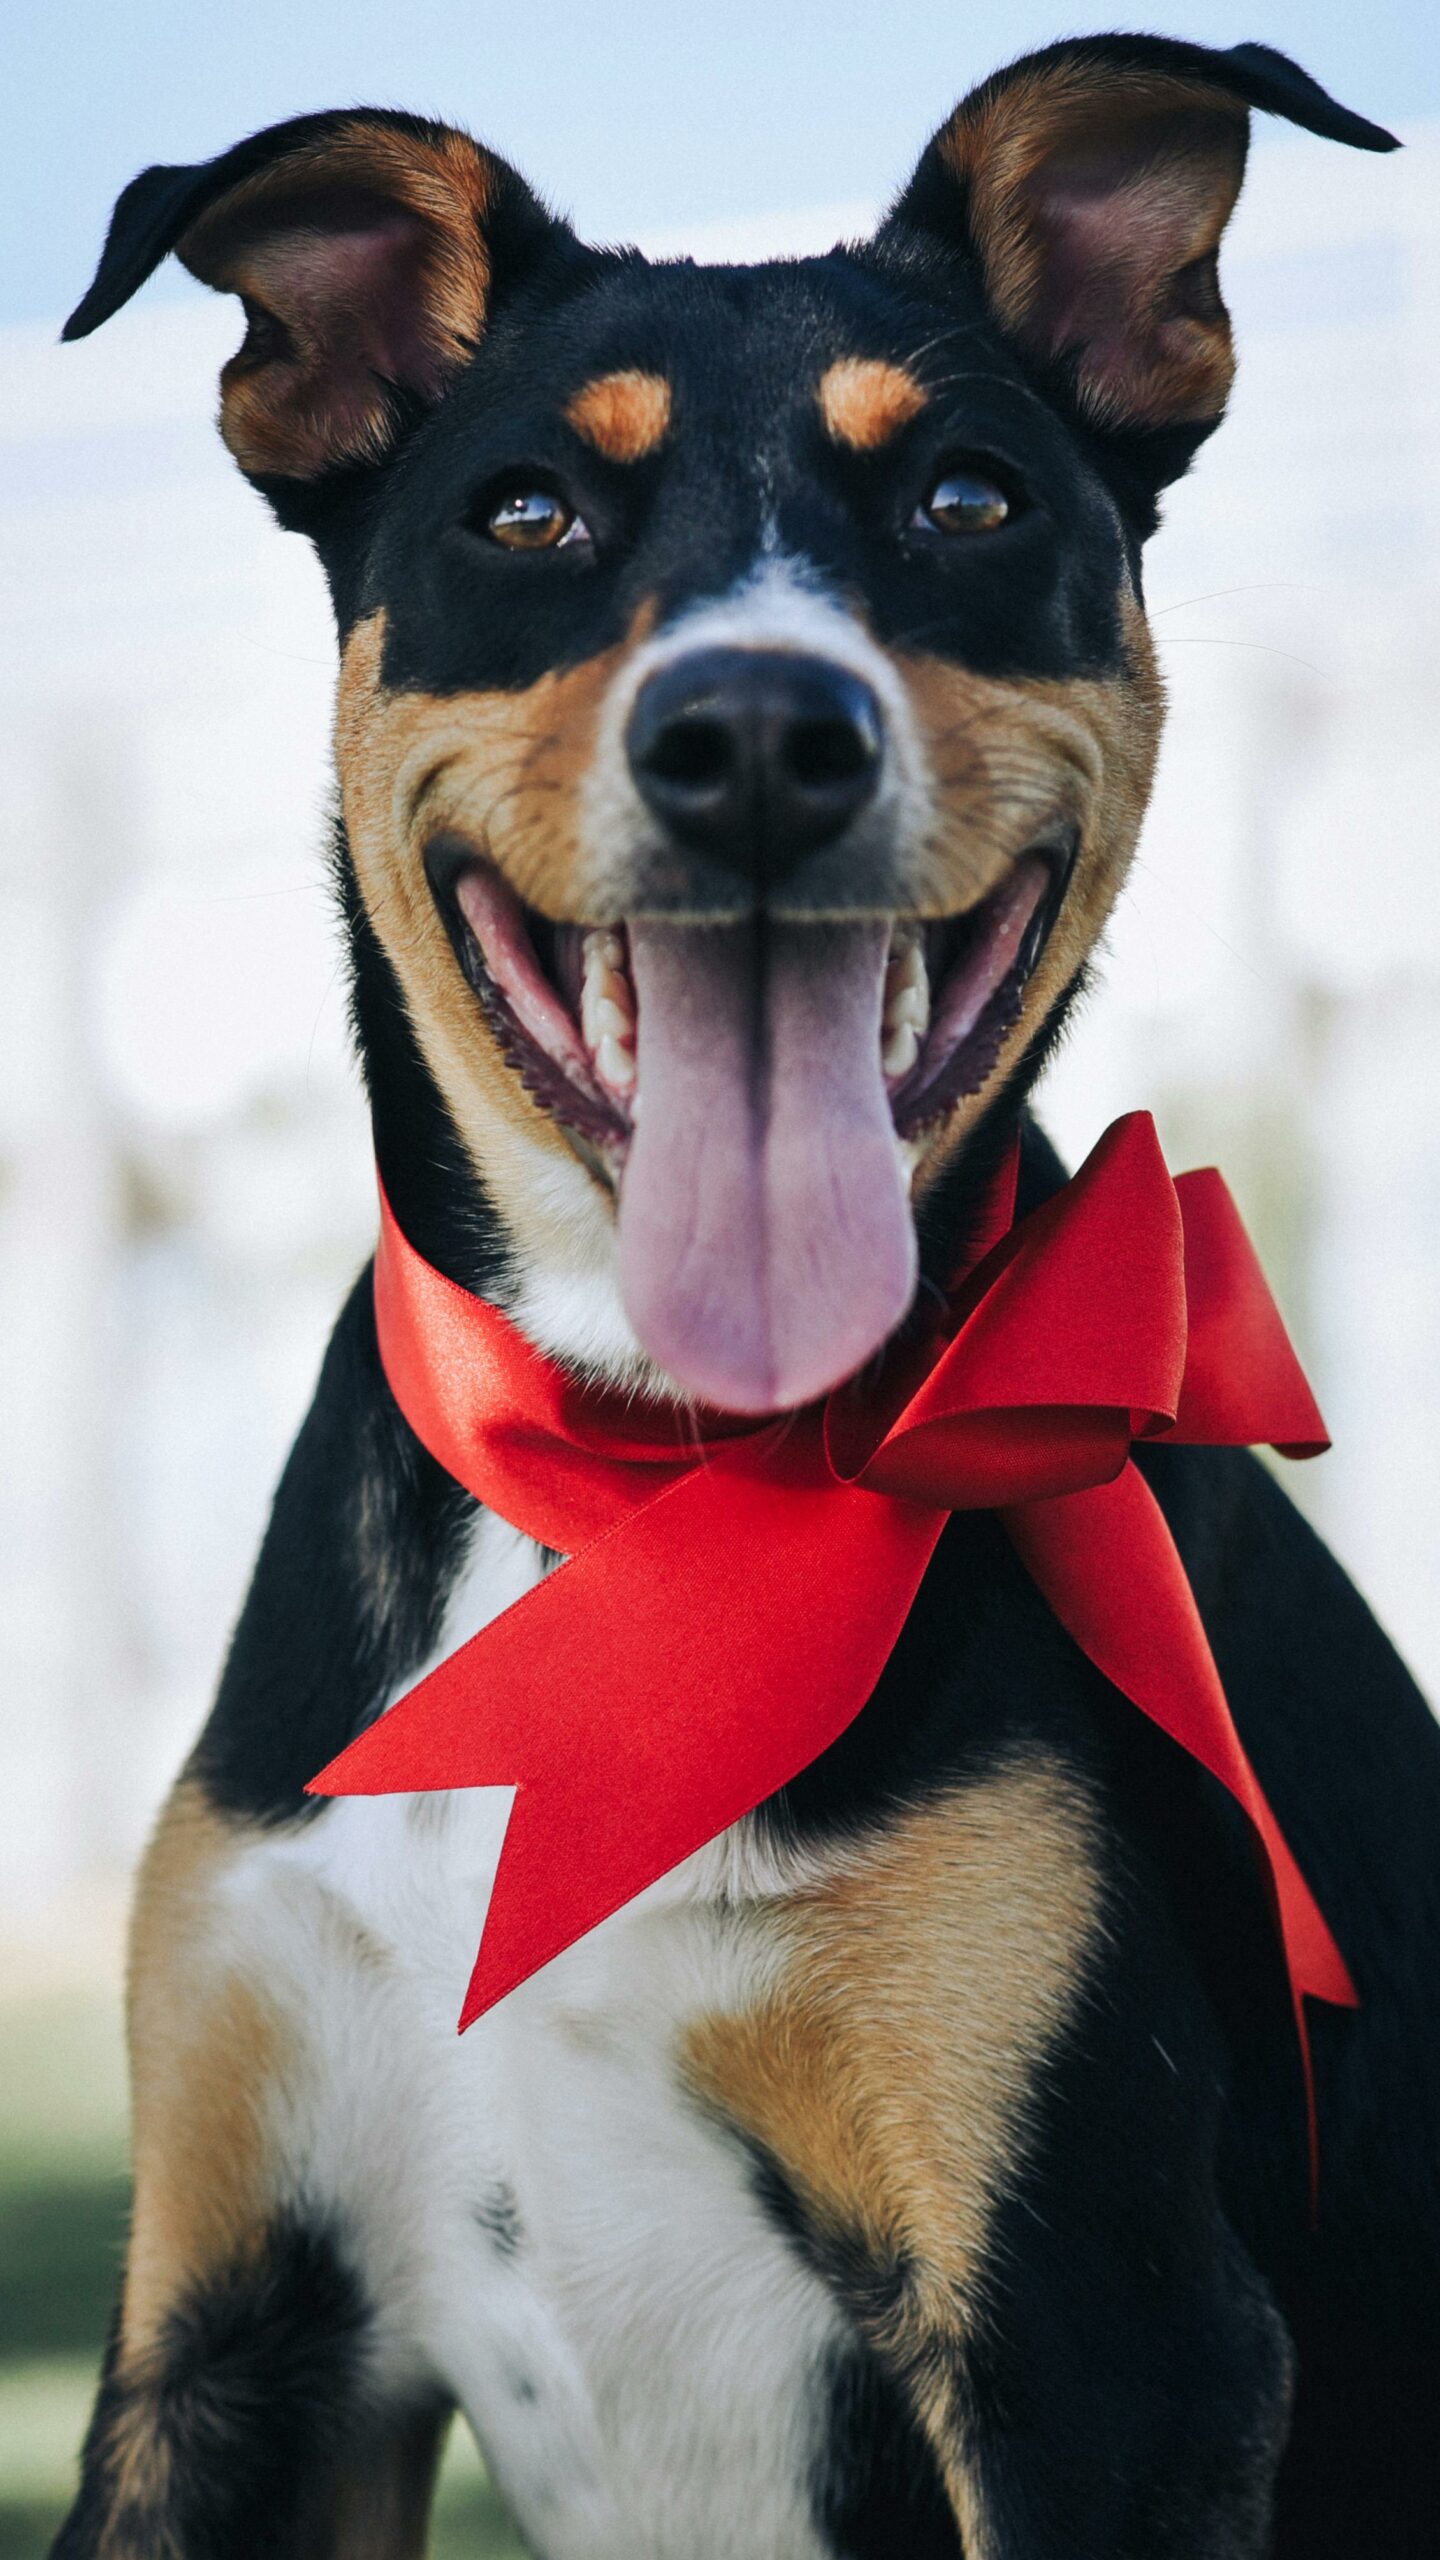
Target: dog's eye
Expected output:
[963,501]
[532,520]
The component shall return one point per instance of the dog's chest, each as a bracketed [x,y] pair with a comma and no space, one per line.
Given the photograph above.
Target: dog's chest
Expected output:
[547,2217]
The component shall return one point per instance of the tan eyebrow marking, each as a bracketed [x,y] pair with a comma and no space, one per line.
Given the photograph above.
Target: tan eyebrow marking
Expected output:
[624,415]
[864,401]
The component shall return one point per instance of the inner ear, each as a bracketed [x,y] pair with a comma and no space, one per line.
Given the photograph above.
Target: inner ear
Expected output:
[1098,220]
[362,266]
[1126,222]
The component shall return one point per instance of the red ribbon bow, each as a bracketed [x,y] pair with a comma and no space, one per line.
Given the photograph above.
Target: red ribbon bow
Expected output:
[728,1606]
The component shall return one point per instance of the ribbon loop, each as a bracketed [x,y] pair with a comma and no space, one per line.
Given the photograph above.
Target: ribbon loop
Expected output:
[1243,1384]
[989,1460]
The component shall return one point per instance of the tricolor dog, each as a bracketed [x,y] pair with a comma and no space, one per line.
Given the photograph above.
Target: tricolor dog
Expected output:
[746,715]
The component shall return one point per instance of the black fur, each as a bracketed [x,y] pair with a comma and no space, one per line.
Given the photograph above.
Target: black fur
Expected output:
[878,2491]
[363,1537]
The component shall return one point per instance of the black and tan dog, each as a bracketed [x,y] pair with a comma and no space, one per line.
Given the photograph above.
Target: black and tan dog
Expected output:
[746,715]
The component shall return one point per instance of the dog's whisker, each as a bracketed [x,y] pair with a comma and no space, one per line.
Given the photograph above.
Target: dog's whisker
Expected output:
[1214,640]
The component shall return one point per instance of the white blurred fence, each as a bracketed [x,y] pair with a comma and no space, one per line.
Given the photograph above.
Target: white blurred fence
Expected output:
[184,1177]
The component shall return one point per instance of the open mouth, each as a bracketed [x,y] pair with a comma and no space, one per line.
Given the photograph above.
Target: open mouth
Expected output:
[743,1086]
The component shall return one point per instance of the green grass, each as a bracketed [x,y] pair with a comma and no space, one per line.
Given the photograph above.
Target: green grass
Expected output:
[63,2197]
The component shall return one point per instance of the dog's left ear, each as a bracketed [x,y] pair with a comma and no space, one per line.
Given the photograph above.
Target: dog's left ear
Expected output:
[1091,183]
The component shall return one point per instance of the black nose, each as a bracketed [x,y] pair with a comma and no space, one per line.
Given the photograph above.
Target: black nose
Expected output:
[755,756]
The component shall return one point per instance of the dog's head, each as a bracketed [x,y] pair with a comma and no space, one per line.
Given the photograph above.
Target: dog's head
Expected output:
[747,709]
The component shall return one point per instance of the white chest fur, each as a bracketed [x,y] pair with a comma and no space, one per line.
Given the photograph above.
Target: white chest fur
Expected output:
[548,2222]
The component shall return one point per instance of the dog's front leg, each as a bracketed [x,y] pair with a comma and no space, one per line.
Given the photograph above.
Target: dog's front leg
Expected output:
[1111,2419]
[987,2093]
[250,2403]
[206,2455]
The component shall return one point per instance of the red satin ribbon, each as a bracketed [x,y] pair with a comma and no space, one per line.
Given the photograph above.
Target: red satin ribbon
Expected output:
[731,1600]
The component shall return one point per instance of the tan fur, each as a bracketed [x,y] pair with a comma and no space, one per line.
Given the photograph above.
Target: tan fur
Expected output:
[624,415]
[865,402]
[280,412]
[1186,142]
[1008,756]
[889,2070]
[206,2049]
[504,772]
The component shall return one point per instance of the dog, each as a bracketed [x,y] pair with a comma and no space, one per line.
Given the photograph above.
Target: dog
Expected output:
[746,715]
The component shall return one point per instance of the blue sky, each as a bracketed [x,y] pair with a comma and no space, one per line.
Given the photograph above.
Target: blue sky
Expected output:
[640,115]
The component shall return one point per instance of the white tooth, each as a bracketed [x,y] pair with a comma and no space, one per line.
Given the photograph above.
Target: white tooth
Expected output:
[905,974]
[908,970]
[607,999]
[614,990]
[908,1004]
[615,1066]
[601,963]
[608,1016]
[900,1051]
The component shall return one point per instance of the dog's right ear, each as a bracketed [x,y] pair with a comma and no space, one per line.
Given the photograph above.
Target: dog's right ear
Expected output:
[365,248]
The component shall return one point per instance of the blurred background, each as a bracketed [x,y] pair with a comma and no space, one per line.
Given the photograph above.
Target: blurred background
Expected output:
[184,1175]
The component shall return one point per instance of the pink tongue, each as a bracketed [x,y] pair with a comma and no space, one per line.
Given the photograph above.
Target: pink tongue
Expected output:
[766,1244]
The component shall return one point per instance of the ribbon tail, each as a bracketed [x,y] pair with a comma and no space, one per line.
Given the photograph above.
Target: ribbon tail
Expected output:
[651,1692]
[1109,1568]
